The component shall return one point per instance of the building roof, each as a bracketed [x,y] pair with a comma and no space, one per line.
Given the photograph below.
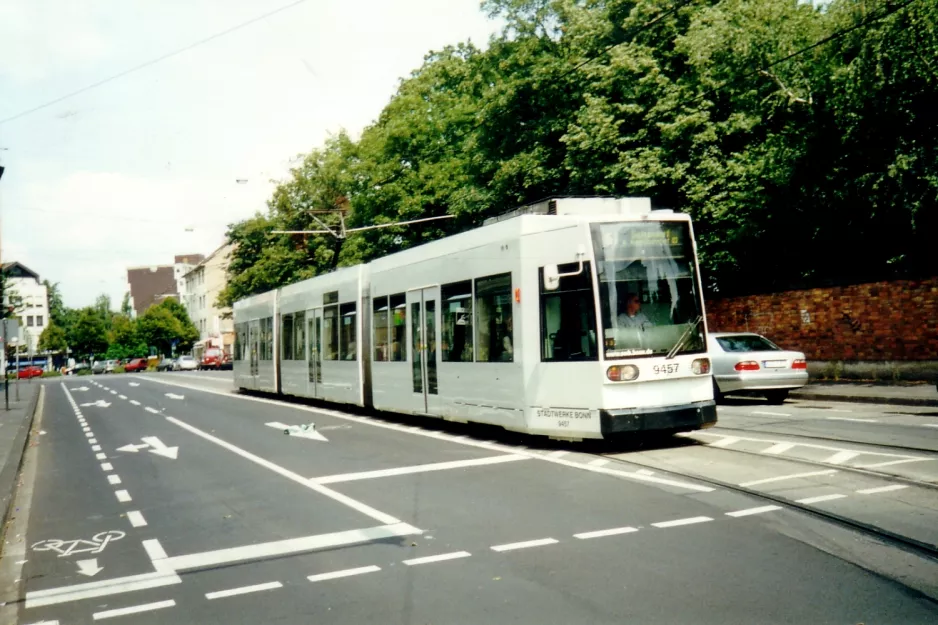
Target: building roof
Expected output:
[149,284]
[16,269]
[188,259]
[206,259]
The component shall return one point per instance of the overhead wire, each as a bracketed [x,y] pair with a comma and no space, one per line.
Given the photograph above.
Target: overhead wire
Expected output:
[152,61]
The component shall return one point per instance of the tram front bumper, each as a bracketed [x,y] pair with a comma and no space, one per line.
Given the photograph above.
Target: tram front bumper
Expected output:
[702,414]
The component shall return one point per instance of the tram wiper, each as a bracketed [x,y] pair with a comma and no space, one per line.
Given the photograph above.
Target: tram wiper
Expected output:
[680,341]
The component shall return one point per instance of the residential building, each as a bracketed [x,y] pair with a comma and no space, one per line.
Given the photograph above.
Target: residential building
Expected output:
[151,285]
[181,266]
[203,285]
[30,300]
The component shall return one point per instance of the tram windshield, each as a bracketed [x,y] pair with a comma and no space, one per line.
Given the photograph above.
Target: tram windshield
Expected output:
[648,294]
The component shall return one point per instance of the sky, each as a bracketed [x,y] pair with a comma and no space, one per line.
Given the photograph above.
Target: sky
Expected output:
[138,169]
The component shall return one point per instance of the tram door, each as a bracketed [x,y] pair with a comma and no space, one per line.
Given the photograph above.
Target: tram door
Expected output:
[254,349]
[423,311]
[314,338]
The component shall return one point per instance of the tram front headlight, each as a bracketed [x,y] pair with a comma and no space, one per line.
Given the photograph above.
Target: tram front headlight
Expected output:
[701,366]
[622,373]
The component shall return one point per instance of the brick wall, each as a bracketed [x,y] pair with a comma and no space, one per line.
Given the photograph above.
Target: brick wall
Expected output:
[878,321]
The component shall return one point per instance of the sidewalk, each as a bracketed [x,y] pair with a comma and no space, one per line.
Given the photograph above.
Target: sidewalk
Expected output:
[868,392]
[14,429]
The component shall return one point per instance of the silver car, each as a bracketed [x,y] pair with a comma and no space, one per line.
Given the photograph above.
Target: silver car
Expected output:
[186,363]
[747,363]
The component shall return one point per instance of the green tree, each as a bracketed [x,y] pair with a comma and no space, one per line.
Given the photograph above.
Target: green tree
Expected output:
[52,339]
[166,324]
[126,309]
[55,303]
[88,335]
[124,339]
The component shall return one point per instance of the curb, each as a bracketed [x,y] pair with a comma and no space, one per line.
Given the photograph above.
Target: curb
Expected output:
[894,401]
[11,470]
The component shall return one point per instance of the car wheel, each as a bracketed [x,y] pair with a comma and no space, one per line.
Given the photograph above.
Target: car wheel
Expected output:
[717,394]
[777,397]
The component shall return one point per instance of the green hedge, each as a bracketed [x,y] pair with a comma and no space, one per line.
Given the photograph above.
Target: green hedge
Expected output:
[51,374]
[83,372]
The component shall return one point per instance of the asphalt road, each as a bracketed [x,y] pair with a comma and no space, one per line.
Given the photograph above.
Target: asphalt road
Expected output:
[167,499]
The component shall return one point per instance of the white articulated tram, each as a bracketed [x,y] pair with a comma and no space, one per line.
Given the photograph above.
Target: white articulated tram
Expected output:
[572,318]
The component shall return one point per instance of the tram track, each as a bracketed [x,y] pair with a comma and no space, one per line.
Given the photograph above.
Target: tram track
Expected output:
[908,544]
[895,448]
[892,477]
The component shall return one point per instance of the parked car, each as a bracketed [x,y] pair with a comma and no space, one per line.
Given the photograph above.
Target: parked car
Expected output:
[748,363]
[81,366]
[103,366]
[29,372]
[137,364]
[215,359]
[186,363]
[166,364]
[97,366]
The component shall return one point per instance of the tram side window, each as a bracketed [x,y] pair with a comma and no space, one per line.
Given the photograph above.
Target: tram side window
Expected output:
[330,330]
[379,319]
[269,338]
[457,321]
[286,337]
[237,343]
[348,334]
[568,317]
[299,336]
[493,319]
[398,305]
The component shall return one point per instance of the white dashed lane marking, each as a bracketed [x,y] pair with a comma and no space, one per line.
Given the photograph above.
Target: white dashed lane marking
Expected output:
[679,522]
[136,609]
[113,479]
[882,489]
[221,594]
[122,496]
[751,511]
[819,498]
[439,558]
[525,544]
[793,476]
[346,573]
[107,466]
[615,531]
[136,519]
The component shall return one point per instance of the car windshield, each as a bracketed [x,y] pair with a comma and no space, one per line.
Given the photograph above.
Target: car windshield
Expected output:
[648,293]
[747,343]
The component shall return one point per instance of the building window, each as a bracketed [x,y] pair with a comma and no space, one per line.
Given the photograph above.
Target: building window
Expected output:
[494,326]
[349,332]
[286,339]
[379,320]
[457,322]
[398,304]
[39,321]
[29,321]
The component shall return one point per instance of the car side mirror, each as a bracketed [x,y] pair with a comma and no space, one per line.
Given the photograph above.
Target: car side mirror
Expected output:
[551,278]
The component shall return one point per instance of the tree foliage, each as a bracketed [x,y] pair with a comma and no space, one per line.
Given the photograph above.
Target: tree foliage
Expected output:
[52,338]
[167,325]
[88,335]
[800,163]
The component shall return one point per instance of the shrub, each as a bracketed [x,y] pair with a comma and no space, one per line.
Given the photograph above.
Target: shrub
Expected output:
[51,374]
[118,369]
[83,372]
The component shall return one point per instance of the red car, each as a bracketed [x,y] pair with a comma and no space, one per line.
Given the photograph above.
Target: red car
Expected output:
[29,372]
[137,364]
[215,359]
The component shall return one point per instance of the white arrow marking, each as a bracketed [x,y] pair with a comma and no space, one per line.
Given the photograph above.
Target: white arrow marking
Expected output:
[89,567]
[135,383]
[175,396]
[100,404]
[158,448]
[80,388]
[297,430]
[132,448]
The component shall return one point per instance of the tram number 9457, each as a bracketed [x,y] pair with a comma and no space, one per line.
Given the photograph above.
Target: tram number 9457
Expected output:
[666,369]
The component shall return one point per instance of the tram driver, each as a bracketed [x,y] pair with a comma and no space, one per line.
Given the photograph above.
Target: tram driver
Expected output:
[633,317]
